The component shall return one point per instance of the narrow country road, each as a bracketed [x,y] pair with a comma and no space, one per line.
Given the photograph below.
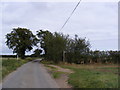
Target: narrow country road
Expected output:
[30,75]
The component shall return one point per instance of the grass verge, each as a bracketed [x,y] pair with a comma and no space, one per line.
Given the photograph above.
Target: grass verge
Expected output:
[11,64]
[56,74]
[52,68]
[54,71]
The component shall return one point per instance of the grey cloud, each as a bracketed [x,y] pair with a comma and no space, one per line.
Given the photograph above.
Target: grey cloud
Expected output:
[106,44]
[96,21]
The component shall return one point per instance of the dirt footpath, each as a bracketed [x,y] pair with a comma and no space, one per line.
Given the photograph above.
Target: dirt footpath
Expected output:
[62,69]
[62,80]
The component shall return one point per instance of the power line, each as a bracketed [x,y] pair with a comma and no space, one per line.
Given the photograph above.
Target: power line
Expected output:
[70,15]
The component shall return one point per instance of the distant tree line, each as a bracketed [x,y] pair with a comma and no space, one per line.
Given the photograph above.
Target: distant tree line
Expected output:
[58,47]
[8,56]
[13,56]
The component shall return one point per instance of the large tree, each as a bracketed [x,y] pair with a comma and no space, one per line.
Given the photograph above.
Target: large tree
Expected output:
[37,53]
[21,40]
[53,44]
[45,38]
[77,50]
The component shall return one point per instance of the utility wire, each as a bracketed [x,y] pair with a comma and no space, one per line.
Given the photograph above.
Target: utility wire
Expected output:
[70,15]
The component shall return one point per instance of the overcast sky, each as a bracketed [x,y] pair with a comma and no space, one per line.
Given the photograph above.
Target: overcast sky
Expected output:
[97,21]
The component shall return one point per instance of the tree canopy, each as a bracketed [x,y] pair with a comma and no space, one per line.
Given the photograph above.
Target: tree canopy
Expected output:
[21,40]
[57,47]
[53,44]
[56,44]
[37,53]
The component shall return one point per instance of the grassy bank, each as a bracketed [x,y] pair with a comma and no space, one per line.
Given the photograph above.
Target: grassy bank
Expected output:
[91,76]
[11,64]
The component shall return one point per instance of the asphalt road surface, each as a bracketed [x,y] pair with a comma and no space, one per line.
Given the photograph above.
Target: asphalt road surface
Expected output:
[30,75]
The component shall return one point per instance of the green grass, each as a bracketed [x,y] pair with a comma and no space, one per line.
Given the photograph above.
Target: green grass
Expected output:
[57,74]
[11,64]
[107,68]
[47,62]
[52,68]
[91,78]
[54,71]
[0,69]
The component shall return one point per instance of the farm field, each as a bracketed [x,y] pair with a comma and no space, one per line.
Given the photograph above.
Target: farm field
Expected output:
[93,76]
[90,76]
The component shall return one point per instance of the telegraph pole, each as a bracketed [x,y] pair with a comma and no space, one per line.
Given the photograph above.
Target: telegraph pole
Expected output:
[63,56]
[17,56]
